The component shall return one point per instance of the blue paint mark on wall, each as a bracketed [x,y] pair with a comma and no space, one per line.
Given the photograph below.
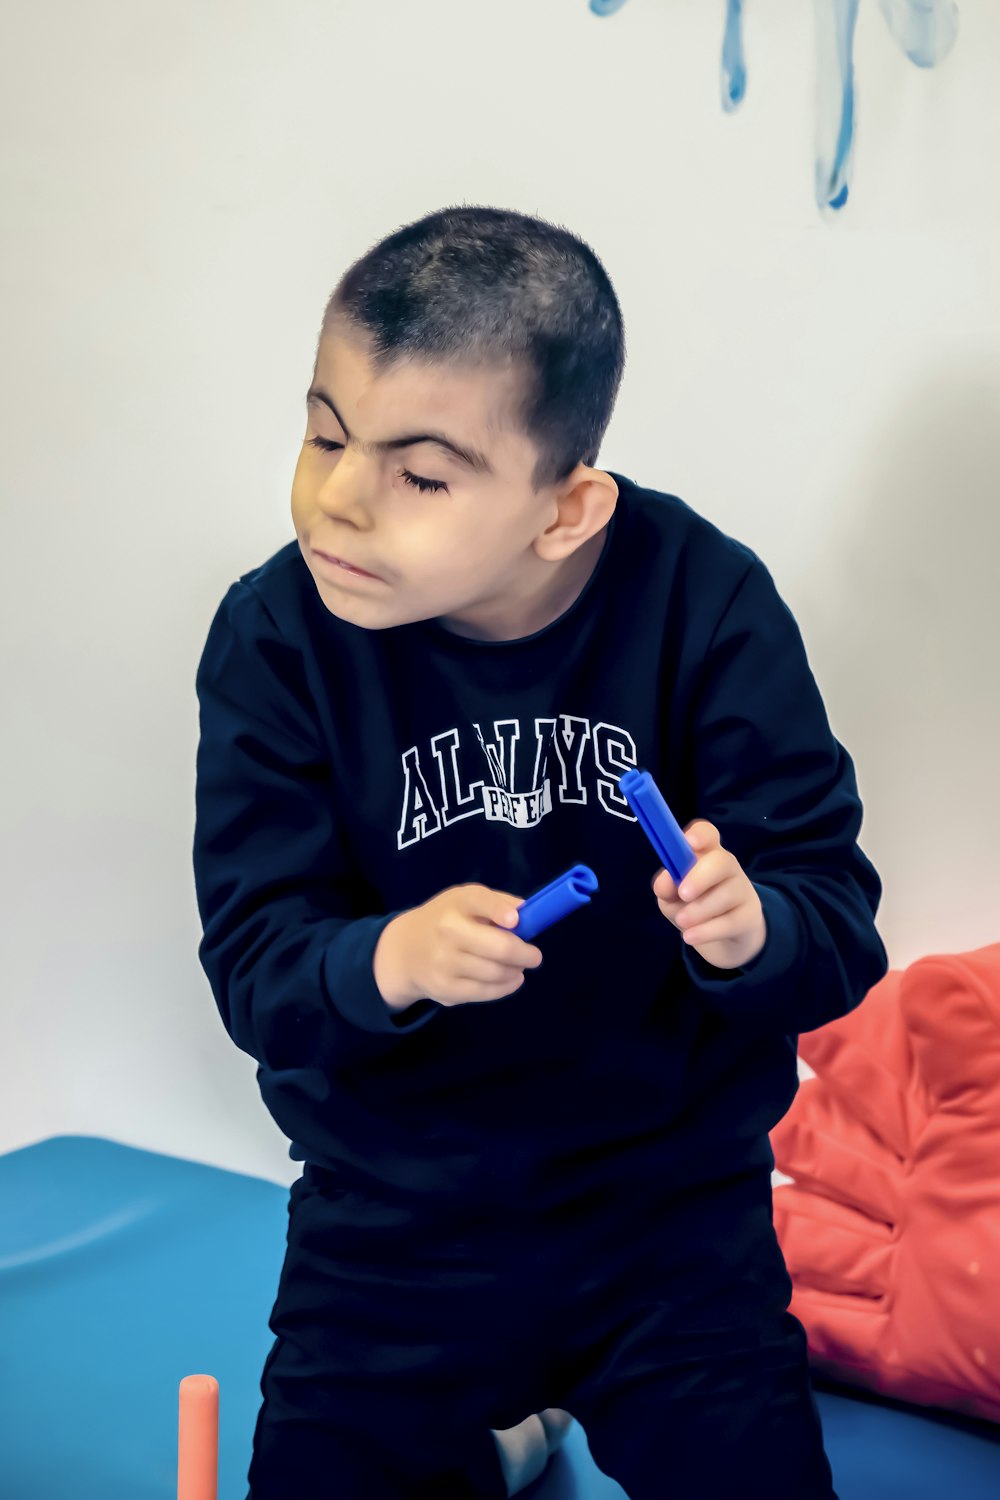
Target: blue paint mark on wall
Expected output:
[734,72]
[925,30]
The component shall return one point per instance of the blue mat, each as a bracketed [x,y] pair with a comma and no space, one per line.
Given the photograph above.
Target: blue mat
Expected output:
[122,1271]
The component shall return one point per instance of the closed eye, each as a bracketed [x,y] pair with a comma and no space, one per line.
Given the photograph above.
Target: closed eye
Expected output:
[425,486]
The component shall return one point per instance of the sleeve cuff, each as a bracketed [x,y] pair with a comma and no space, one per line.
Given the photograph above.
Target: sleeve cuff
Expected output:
[350,981]
[783,950]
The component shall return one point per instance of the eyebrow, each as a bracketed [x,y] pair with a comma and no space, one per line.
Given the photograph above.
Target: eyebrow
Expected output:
[465,454]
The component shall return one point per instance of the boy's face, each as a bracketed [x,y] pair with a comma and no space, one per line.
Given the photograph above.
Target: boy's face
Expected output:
[472,545]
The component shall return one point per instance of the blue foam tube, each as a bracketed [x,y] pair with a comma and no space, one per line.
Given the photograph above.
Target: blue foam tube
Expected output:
[554,901]
[658,823]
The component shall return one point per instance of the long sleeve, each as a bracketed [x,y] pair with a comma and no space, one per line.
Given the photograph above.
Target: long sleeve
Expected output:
[288,935]
[782,791]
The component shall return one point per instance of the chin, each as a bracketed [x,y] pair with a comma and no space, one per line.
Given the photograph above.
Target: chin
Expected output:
[353,612]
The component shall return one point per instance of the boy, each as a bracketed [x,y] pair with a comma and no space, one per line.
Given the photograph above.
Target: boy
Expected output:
[528,1191]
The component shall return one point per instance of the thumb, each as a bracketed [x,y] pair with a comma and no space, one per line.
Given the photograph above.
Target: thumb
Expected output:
[505,909]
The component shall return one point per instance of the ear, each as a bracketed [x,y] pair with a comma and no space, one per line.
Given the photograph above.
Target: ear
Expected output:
[585,502]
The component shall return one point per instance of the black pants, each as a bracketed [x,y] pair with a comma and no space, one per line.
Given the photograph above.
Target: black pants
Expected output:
[665,1332]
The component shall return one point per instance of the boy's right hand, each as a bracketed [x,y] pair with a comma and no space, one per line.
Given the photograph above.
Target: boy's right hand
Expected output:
[455,948]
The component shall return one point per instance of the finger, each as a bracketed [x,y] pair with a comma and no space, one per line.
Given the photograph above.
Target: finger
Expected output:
[485,905]
[713,869]
[473,970]
[726,897]
[517,953]
[668,896]
[523,955]
[483,941]
[504,908]
[702,834]
[663,886]
[733,924]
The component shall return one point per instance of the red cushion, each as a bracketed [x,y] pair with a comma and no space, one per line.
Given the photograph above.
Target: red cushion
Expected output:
[891,1227]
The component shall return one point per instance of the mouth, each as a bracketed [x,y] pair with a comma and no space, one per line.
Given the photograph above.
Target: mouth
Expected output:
[339,563]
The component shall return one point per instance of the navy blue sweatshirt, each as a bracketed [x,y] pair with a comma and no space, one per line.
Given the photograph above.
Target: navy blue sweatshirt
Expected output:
[346,775]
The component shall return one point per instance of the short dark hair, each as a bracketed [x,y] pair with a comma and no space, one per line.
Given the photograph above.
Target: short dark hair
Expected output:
[470,285]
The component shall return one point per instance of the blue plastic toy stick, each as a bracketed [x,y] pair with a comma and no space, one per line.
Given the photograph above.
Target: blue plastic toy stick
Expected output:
[554,901]
[658,823]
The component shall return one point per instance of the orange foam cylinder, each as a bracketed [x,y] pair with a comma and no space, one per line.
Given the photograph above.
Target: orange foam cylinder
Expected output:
[198,1438]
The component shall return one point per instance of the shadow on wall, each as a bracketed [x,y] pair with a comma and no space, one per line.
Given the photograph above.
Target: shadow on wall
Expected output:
[904,625]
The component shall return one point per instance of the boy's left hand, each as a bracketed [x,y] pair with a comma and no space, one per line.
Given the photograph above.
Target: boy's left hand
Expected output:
[722,917]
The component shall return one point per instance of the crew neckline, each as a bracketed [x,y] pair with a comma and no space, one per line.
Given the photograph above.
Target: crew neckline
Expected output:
[443,637]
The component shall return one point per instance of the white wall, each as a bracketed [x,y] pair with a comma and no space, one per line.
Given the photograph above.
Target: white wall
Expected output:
[182,185]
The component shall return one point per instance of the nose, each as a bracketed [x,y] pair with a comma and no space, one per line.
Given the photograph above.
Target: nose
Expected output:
[343,493]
